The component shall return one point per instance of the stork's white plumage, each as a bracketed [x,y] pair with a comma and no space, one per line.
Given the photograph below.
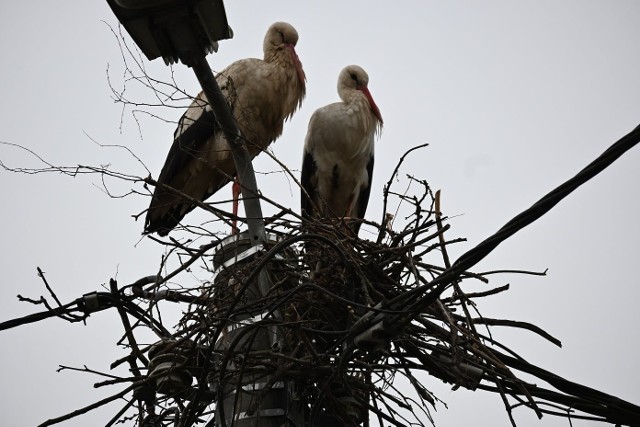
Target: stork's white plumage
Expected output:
[337,164]
[262,94]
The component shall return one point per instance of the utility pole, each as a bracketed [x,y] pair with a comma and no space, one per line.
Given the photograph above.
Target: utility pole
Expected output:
[186,31]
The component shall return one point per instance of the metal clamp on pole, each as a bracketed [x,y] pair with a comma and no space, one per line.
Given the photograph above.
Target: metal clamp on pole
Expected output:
[466,374]
[90,302]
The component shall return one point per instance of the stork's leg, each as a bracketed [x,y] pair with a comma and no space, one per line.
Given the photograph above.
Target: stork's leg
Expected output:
[235,189]
[347,214]
[350,200]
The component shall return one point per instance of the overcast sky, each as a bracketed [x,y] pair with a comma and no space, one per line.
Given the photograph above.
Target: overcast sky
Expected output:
[513,98]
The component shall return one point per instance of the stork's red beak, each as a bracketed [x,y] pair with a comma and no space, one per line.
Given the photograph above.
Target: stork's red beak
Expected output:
[297,63]
[372,103]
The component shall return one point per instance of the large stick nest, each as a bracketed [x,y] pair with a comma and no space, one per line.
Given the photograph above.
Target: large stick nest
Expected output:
[342,317]
[326,326]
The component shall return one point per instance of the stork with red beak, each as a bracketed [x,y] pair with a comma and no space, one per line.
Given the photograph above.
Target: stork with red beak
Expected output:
[337,165]
[262,95]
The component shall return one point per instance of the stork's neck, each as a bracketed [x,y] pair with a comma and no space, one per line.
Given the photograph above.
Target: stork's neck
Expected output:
[277,55]
[293,91]
[284,56]
[355,97]
[350,96]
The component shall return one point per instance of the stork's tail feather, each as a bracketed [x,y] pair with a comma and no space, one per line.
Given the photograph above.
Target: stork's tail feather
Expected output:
[166,222]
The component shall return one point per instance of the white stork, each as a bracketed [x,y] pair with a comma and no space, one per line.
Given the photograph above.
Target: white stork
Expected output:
[262,94]
[337,164]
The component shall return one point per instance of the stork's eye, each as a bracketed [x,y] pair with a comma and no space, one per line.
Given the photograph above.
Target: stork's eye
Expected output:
[354,77]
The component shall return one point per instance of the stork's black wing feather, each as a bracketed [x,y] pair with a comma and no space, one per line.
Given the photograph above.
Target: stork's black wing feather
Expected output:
[186,146]
[363,197]
[308,190]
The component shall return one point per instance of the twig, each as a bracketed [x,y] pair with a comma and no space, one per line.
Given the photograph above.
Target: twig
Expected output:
[87,408]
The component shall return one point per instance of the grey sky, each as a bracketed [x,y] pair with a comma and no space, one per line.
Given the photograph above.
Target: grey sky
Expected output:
[513,98]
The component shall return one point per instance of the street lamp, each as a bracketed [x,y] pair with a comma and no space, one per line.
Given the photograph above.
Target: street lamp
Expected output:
[186,31]
[176,30]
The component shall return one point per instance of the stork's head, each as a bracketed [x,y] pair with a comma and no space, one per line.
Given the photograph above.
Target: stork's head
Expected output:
[354,78]
[282,36]
[278,34]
